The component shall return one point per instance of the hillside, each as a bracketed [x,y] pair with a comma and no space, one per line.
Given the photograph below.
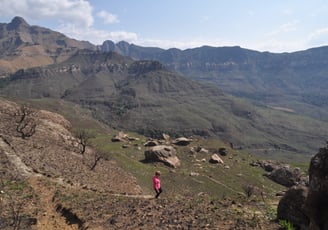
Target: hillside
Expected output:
[48,182]
[143,96]
[24,46]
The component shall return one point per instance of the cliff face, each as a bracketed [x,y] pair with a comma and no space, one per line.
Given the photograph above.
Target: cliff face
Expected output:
[286,79]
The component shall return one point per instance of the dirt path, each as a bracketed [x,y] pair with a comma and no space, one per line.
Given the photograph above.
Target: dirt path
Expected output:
[48,217]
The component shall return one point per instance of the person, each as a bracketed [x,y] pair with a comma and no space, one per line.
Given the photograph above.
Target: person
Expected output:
[157,183]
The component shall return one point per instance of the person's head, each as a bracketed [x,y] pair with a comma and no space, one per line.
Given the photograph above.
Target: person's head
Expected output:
[157,173]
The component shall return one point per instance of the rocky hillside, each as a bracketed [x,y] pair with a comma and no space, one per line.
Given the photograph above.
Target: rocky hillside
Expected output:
[24,46]
[47,183]
[39,157]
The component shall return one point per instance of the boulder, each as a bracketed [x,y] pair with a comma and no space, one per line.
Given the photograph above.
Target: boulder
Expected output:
[223,151]
[203,150]
[269,165]
[198,149]
[291,207]
[182,141]
[307,206]
[121,136]
[317,200]
[163,153]
[216,159]
[287,177]
[151,143]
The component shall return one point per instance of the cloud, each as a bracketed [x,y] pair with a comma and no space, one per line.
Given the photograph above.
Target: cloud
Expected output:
[185,44]
[278,45]
[284,28]
[108,17]
[95,36]
[319,37]
[78,12]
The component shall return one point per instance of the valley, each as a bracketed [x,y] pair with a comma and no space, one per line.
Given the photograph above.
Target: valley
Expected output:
[77,121]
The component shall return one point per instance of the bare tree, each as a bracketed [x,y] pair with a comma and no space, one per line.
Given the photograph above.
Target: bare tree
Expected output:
[83,137]
[97,156]
[25,119]
[22,120]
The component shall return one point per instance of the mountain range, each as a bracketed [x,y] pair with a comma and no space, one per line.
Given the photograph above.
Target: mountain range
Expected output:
[277,105]
[294,80]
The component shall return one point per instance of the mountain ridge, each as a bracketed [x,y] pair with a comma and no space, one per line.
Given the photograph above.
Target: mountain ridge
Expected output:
[293,80]
[23,46]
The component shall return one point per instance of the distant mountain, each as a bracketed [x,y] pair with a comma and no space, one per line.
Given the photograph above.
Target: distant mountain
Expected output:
[143,92]
[144,96]
[25,46]
[296,80]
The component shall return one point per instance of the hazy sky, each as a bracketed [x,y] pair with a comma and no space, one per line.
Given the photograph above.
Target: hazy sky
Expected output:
[264,25]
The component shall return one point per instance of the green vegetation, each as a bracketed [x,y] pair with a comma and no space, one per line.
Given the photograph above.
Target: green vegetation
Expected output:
[285,224]
[212,179]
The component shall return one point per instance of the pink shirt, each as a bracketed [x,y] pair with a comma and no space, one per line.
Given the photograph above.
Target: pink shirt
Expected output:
[156,182]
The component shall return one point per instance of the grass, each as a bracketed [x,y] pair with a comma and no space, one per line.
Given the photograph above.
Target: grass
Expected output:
[213,179]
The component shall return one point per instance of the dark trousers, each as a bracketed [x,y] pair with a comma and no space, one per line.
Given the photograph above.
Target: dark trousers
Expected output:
[159,191]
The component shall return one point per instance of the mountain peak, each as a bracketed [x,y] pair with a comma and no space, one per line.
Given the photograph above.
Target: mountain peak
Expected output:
[16,23]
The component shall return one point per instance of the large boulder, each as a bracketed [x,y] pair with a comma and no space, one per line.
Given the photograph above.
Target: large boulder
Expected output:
[317,200]
[163,153]
[269,165]
[287,176]
[291,207]
[307,208]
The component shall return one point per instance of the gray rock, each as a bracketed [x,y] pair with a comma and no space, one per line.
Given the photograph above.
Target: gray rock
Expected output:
[291,207]
[182,141]
[216,159]
[317,200]
[163,153]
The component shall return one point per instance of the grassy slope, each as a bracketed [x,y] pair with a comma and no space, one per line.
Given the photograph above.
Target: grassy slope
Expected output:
[213,179]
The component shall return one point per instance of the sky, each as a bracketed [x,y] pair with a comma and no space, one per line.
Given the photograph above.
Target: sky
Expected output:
[262,25]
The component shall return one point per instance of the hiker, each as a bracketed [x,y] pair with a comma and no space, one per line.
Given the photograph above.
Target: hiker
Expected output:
[157,184]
